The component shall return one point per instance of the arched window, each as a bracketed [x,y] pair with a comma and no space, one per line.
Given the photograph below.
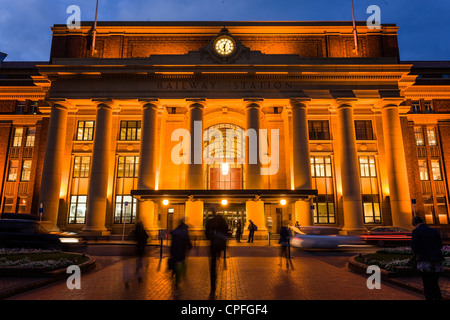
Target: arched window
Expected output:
[224,154]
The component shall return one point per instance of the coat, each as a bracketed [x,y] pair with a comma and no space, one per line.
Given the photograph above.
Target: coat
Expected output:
[426,244]
[181,243]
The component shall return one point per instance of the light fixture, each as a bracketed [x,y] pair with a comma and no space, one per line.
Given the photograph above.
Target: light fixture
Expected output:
[224,202]
[282,202]
[225,168]
[165,202]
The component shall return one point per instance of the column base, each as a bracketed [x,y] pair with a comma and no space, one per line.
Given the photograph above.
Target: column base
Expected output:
[89,231]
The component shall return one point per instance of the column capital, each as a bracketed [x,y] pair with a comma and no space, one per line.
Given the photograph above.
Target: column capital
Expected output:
[149,101]
[60,103]
[299,102]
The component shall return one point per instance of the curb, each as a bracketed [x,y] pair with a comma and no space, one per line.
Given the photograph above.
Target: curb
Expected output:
[50,277]
[358,267]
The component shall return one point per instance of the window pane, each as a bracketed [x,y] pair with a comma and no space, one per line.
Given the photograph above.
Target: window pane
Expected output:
[12,173]
[418,133]
[363,130]
[431,134]
[26,171]
[77,209]
[423,170]
[18,134]
[85,130]
[31,134]
[436,170]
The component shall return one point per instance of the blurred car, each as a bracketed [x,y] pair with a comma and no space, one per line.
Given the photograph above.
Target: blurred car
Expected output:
[322,238]
[383,236]
[21,233]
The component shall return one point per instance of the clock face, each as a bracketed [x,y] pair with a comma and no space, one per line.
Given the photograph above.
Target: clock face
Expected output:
[224,46]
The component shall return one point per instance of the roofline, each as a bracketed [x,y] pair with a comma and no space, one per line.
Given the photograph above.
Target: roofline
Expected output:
[225,23]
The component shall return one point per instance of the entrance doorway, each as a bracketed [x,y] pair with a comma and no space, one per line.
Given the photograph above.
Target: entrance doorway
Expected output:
[232,214]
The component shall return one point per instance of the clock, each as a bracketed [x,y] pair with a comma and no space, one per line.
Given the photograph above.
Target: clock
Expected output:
[224,46]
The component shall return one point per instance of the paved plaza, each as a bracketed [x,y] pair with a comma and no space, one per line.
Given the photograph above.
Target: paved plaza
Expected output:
[248,273]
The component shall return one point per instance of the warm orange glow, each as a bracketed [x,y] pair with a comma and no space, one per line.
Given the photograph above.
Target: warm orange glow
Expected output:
[165,202]
[224,202]
[283,202]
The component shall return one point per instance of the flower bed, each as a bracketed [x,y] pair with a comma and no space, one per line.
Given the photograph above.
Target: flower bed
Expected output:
[20,262]
[397,261]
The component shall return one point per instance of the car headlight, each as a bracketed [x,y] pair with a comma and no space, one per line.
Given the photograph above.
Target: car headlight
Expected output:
[70,240]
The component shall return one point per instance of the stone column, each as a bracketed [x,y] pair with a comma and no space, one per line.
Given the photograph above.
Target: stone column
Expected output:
[351,186]
[396,167]
[99,175]
[147,165]
[194,170]
[253,177]
[53,166]
[301,161]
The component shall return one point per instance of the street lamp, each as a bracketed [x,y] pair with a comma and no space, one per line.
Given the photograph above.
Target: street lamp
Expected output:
[283,202]
[165,202]
[224,202]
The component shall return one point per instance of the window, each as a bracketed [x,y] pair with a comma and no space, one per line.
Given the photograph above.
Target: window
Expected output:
[77,209]
[363,130]
[125,211]
[371,207]
[418,134]
[26,171]
[415,108]
[31,135]
[367,166]
[321,166]
[81,166]
[318,130]
[130,130]
[128,167]
[8,204]
[18,134]
[12,173]
[431,135]
[428,108]
[324,209]
[436,170]
[85,130]
[22,205]
[423,170]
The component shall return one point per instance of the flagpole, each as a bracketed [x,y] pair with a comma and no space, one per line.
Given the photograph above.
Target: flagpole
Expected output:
[93,51]
[354,29]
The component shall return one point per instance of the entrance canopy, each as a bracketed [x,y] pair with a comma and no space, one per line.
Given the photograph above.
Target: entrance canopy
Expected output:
[232,196]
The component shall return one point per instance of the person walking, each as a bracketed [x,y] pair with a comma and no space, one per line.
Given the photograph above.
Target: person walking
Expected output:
[238,231]
[251,231]
[216,230]
[426,245]
[179,248]
[285,238]
[140,236]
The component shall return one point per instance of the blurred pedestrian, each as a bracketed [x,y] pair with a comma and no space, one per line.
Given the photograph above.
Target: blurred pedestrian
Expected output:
[251,231]
[426,245]
[140,236]
[179,248]
[285,238]
[216,232]
[238,231]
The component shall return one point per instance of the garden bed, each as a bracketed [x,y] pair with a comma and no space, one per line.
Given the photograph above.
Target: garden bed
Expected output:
[26,262]
[396,262]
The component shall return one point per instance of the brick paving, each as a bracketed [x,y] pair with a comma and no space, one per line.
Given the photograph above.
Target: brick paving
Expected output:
[251,273]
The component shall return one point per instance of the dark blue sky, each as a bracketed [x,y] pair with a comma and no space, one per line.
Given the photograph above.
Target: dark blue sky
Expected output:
[424,26]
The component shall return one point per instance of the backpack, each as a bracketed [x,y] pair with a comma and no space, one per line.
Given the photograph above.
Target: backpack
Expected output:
[255,227]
